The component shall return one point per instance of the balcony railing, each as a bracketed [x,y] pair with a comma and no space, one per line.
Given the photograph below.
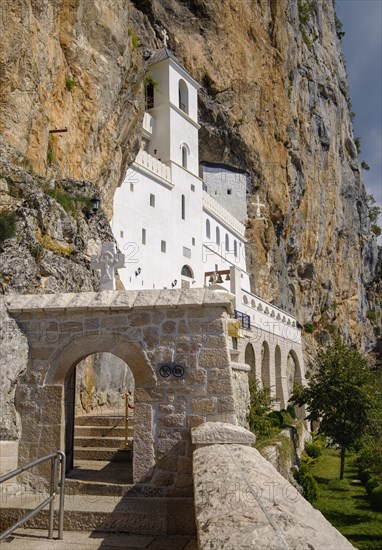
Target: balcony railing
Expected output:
[244,319]
[154,165]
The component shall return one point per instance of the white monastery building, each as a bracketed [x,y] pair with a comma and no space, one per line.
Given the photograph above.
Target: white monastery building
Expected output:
[180,224]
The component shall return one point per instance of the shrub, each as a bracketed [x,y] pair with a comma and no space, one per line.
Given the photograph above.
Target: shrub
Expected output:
[135,41]
[7,225]
[357,143]
[313,450]
[371,315]
[371,484]
[376,498]
[69,83]
[376,229]
[308,327]
[364,165]
[260,406]
[307,482]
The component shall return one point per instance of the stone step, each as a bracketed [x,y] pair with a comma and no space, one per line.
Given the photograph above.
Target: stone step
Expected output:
[94,477]
[97,442]
[36,539]
[104,454]
[140,515]
[102,431]
[100,420]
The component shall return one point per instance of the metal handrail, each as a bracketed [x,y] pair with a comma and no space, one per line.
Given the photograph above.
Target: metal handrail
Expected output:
[56,458]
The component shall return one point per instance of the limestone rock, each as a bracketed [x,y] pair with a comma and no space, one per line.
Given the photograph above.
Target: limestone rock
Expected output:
[221,433]
[241,501]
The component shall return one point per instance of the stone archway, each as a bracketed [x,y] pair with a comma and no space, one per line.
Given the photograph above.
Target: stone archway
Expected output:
[250,360]
[279,382]
[147,330]
[265,365]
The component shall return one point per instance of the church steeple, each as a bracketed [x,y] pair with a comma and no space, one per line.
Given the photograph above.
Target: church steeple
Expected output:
[171,99]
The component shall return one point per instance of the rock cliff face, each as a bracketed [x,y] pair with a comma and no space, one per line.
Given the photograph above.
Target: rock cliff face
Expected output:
[274,101]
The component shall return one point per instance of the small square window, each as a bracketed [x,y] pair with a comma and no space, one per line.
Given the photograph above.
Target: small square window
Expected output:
[131,186]
[143,236]
[192,187]
[163,246]
[193,241]
[229,191]
[121,234]
[152,200]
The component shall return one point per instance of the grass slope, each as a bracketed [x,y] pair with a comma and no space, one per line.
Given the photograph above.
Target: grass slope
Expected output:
[344,503]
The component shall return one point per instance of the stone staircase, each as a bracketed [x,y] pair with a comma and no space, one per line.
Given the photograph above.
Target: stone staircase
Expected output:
[102,438]
[100,494]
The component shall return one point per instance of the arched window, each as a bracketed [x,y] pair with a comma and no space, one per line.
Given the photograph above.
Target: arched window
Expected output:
[183,96]
[217,236]
[187,272]
[149,95]
[183,207]
[226,242]
[235,247]
[208,229]
[184,156]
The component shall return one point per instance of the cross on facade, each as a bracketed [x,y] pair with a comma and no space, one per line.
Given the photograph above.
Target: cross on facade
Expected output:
[259,206]
[165,37]
[108,262]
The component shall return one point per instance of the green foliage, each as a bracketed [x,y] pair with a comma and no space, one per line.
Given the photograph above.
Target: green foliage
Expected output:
[37,251]
[69,83]
[260,405]
[69,202]
[338,395]
[364,165]
[371,315]
[357,143]
[7,225]
[150,80]
[306,10]
[51,157]
[307,482]
[346,505]
[339,485]
[313,449]
[376,229]
[134,40]
[339,27]
[371,484]
[376,498]
[309,327]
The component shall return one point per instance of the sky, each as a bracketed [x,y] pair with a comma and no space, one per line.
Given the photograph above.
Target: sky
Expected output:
[362,49]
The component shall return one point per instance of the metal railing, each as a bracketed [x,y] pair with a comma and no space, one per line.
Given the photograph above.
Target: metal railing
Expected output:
[244,318]
[56,458]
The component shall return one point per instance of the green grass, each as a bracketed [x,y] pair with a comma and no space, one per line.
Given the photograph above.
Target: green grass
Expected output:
[344,503]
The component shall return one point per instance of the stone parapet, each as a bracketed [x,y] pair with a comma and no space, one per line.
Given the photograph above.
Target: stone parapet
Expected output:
[241,501]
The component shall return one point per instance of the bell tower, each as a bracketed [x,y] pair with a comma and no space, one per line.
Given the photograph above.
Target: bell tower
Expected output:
[171,99]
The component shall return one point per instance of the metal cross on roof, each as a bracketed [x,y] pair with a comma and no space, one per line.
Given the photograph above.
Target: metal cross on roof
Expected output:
[108,262]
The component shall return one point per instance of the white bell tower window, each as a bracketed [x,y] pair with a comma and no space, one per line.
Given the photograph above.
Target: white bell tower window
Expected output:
[183,96]
[184,156]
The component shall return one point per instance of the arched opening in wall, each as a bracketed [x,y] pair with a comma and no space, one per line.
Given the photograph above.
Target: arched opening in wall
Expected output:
[184,157]
[149,95]
[250,360]
[187,275]
[279,387]
[217,240]
[208,229]
[226,242]
[294,376]
[99,410]
[183,96]
[265,366]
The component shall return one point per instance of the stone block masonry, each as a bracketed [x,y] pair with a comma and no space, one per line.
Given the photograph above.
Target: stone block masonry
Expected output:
[148,330]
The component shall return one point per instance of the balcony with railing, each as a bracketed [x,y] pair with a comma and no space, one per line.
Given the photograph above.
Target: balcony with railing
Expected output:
[153,165]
